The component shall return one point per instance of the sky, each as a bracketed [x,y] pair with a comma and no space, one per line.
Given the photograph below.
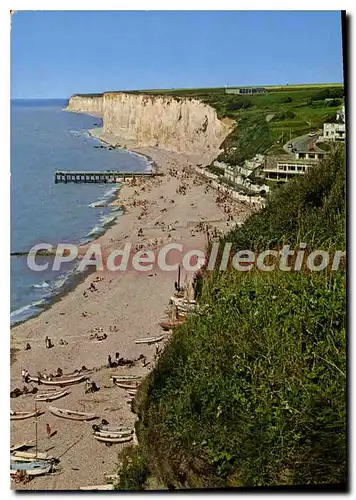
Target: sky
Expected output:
[55,54]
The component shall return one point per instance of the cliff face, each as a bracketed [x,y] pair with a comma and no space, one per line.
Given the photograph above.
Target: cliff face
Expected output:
[86,104]
[165,122]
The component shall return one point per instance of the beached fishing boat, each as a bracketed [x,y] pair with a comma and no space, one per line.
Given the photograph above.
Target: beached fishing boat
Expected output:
[72,414]
[60,381]
[23,444]
[99,487]
[51,396]
[168,325]
[23,456]
[114,438]
[113,433]
[127,384]
[149,340]
[21,415]
[32,469]
[125,377]
[113,430]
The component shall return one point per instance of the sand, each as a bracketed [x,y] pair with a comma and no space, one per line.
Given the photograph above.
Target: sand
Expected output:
[134,302]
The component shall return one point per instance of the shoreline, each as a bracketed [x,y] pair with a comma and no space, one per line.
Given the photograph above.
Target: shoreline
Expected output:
[79,277]
[132,302]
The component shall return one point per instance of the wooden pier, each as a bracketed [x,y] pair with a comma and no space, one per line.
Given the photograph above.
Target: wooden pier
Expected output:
[106,176]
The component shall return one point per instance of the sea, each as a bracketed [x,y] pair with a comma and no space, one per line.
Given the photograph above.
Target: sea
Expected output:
[45,138]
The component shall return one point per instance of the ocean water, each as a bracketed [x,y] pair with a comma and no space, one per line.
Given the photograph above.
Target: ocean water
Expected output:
[45,138]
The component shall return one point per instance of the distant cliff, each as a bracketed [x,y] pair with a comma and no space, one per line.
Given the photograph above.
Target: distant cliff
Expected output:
[89,104]
[176,124]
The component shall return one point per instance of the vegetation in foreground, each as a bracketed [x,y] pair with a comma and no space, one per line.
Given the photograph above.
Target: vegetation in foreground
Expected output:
[255,393]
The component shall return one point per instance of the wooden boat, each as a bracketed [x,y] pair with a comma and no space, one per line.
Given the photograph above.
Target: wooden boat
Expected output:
[99,487]
[113,433]
[72,414]
[125,377]
[51,396]
[168,325]
[30,455]
[127,385]
[149,340]
[18,446]
[116,430]
[61,381]
[21,415]
[32,469]
[113,438]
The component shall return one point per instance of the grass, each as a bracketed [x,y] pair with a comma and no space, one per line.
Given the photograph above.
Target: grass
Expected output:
[255,393]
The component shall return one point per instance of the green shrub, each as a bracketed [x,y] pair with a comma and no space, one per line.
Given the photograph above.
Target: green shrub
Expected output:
[134,471]
[238,103]
[284,115]
[332,93]
[334,102]
[287,99]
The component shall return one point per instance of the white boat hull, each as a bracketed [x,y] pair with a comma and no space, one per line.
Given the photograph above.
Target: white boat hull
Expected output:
[149,340]
[72,414]
[113,439]
[51,396]
[21,415]
[59,381]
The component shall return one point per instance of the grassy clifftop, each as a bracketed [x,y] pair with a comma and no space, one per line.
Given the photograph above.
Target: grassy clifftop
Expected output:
[268,120]
[255,393]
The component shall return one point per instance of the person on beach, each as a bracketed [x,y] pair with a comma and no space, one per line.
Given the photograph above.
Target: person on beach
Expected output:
[48,342]
[25,375]
[109,361]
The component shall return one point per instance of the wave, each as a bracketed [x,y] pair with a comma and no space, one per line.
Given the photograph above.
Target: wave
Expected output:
[105,220]
[43,284]
[49,290]
[25,312]
[106,199]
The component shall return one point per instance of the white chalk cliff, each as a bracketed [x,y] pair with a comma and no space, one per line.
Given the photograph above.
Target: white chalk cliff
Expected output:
[172,123]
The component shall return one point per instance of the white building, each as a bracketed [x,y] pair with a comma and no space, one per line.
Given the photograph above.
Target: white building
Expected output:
[334,131]
[286,170]
[239,176]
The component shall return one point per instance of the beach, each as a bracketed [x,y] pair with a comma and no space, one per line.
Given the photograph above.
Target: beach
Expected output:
[125,305]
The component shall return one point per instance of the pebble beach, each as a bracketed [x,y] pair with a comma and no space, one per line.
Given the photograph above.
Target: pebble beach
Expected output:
[123,305]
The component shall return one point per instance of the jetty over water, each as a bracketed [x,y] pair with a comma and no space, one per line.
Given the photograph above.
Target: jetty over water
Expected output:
[106,176]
